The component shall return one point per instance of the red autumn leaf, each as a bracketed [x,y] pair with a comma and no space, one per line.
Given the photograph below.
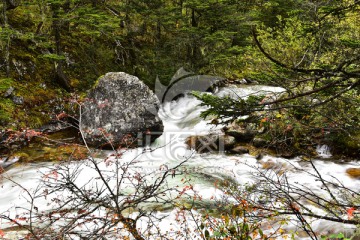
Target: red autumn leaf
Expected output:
[294,206]
[350,212]
[264,120]
[61,116]
[55,174]
[2,234]
[81,211]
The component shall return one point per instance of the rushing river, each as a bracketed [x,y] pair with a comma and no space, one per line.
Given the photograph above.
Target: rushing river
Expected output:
[181,119]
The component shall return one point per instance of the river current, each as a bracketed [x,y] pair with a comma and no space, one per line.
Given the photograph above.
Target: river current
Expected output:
[181,119]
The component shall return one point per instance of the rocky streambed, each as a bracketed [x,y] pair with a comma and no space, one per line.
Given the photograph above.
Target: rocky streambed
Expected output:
[222,152]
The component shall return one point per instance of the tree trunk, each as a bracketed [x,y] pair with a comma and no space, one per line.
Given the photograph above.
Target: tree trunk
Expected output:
[8,38]
[60,76]
[193,18]
[194,52]
[7,57]
[11,4]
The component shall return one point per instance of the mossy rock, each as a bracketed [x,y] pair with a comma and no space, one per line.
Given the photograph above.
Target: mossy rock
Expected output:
[5,83]
[23,157]
[39,153]
[39,104]
[97,82]
[348,145]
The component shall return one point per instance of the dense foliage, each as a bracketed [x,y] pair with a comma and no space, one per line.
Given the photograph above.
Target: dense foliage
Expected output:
[310,48]
[51,49]
[313,53]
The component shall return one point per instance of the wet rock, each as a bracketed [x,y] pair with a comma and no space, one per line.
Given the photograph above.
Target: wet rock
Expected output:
[259,156]
[287,154]
[8,92]
[203,144]
[55,126]
[278,167]
[227,141]
[120,109]
[259,142]
[215,121]
[11,140]
[18,100]
[241,81]
[246,81]
[7,162]
[241,133]
[269,164]
[239,150]
[353,172]
[191,142]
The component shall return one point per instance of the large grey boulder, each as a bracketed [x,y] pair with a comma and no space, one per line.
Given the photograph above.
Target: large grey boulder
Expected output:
[120,111]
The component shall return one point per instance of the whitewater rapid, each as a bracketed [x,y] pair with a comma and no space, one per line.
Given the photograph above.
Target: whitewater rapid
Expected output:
[181,119]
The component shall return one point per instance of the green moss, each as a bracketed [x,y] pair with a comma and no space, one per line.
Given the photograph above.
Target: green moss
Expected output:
[36,110]
[7,110]
[36,152]
[24,56]
[97,82]
[5,83]
[23,157]
[348,145]
[38,120]
[21,18]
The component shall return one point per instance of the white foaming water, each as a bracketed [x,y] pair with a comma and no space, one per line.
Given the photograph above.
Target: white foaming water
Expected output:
[323,151]
[244,91]
[181,119]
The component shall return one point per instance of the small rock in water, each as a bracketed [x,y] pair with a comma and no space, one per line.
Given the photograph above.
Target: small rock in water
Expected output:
[7,162]
[287,154]
[259,156]
[242,81]
[305,158]
[269,164]
[243,134]
[259,142]
[353,172]
[203,144]
[239,150]
[228,141]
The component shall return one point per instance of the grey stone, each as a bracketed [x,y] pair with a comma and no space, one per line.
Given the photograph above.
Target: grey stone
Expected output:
[239,150]
[227,141]
[259,142]
[243,134]
[259,156]
[19,100]
[119,111]
[8,92]
[206,143]
[7,162]
[54,126]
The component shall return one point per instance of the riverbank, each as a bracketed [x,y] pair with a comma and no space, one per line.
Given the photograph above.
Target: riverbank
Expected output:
[208,176]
